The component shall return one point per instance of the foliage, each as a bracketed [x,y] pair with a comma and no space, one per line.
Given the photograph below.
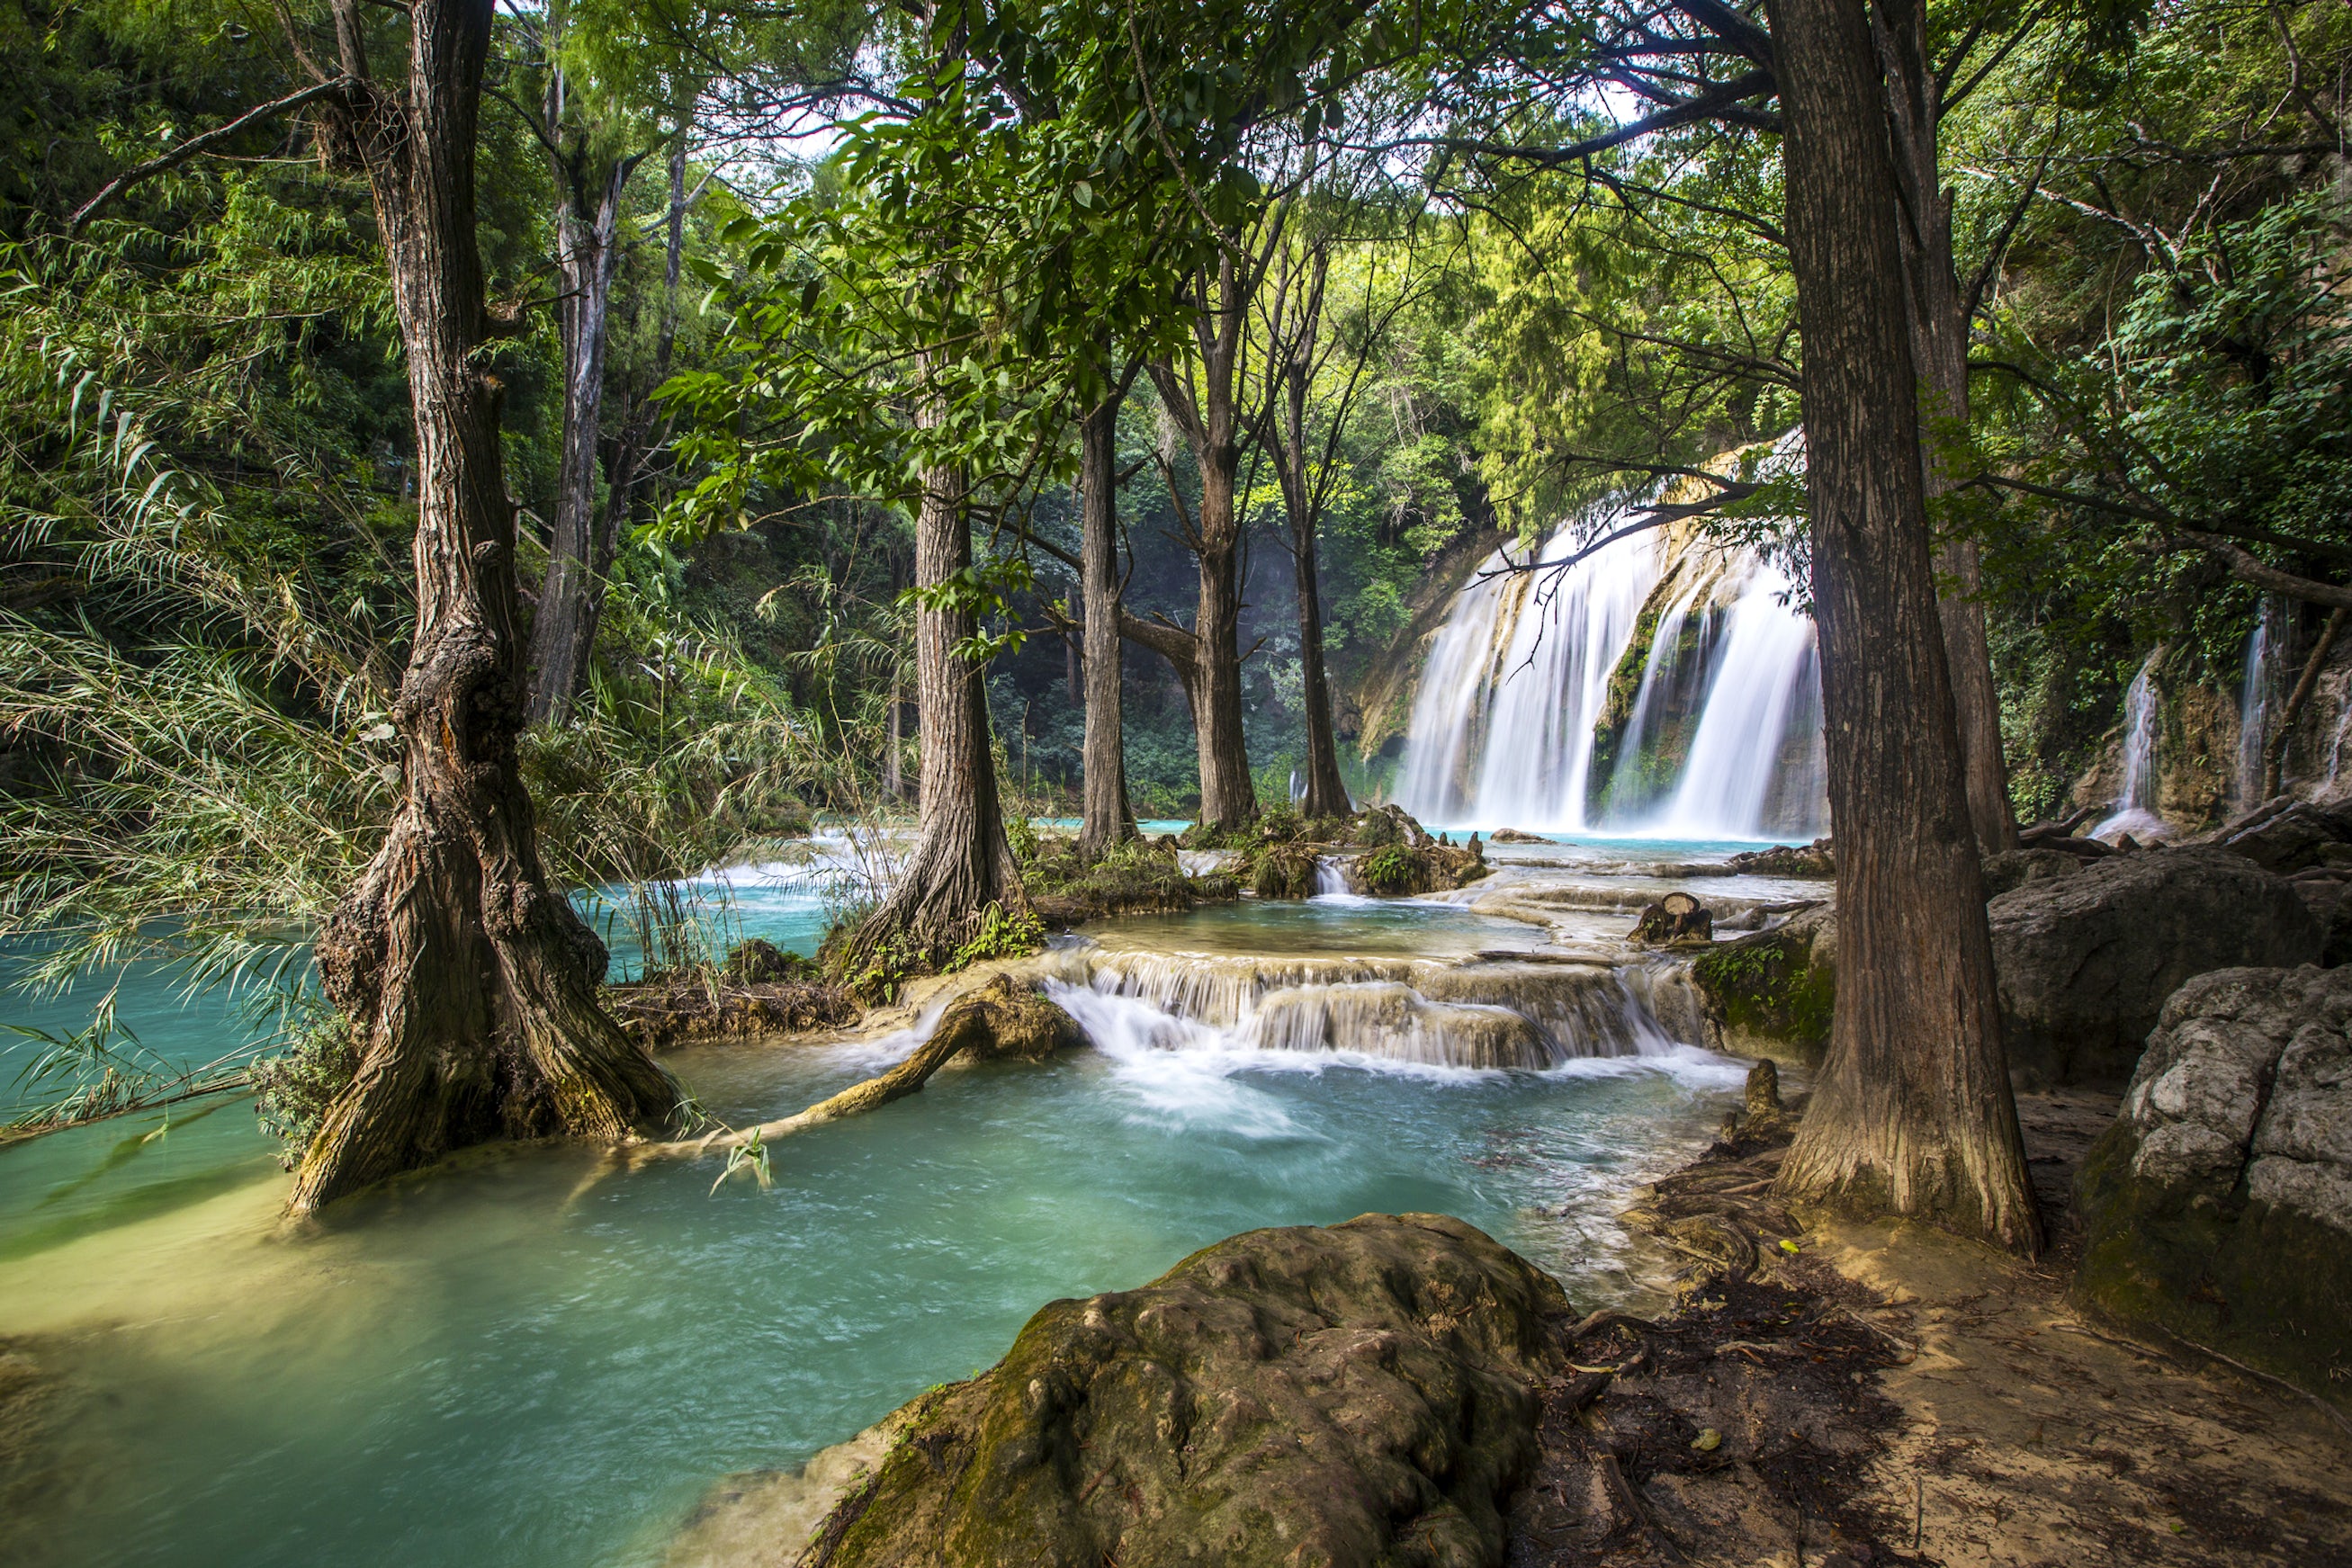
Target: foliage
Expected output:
[1394,868]
[293,1089]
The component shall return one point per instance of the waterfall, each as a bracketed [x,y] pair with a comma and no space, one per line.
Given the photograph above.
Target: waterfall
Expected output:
[1532,712]
[1477,1013]
[2265,651]
[2132,813]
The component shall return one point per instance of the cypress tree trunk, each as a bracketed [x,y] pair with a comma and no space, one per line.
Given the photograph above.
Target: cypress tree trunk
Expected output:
[1913,1112]
[962,862]
[1940,340]
[1108,817]
[469,981]
[587,253]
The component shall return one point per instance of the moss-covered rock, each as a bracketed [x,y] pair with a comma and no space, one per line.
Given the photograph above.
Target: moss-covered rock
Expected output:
[2218,1207]
[1771,993]
[1139,877]
[1365,1394]
[1007,1020]
[1283,870]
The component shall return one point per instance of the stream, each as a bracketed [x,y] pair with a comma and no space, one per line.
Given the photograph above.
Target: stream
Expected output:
[531,1358]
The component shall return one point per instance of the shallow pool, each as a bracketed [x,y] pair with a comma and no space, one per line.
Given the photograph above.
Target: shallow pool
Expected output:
[536,1357]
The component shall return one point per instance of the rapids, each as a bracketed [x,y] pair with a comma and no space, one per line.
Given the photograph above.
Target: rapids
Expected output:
[531,1358]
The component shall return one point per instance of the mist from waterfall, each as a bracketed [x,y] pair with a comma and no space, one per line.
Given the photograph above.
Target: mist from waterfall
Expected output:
[1722,738]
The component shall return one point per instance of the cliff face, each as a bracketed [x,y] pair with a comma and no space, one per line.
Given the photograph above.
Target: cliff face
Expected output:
[2205,768]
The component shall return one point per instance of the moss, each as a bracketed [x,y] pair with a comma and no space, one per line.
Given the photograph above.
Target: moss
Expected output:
[2267,1286]
[1135,877]
[1394,868]
[1283,870]
[1766,990]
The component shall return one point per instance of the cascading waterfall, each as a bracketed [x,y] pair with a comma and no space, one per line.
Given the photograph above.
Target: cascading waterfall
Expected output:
[1523,717]
[1475,1014]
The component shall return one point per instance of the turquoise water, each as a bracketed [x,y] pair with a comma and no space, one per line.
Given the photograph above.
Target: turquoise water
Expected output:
[537,1357]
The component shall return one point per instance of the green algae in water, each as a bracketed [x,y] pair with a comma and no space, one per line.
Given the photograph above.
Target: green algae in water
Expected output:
[537,1358]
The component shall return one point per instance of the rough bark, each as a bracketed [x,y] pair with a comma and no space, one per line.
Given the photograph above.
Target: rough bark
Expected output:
[590,187]
[1109,818]
[1208,418]
[1940,343]
[469,981]
[1913,1111]
[1327,792]
[962,862]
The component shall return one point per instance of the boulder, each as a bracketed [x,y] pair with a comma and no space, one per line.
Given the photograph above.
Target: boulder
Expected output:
[2218,1207]
[1816,859]
[1513,836]
[1770,994]
[2013,869]
[2285,834]
[1363,1394]
[1006,1019]
[2086,960]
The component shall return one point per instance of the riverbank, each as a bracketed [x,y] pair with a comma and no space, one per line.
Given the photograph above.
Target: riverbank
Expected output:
[1889,1392]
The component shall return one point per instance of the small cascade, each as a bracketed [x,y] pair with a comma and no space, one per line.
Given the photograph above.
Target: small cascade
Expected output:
[2132,813]
[1661,685]
[1328,877]
[1473,1014]
[2258,693]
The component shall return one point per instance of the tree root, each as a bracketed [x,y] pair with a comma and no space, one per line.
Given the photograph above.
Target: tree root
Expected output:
[1003,1018]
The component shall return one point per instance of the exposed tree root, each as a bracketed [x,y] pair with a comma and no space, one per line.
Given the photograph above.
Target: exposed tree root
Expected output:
[1004,1018]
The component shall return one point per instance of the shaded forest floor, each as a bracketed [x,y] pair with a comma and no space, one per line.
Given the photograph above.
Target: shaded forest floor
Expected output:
[1889,1393]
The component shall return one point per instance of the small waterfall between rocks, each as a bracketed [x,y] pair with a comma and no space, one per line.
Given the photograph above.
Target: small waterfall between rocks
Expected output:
[1475,1013]
[2132,813]
[1661,686]
[2259,693]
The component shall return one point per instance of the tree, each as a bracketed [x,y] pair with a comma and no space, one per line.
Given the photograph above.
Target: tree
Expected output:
[1203,396]
[469,982]
[1109,818]
[1915,1113]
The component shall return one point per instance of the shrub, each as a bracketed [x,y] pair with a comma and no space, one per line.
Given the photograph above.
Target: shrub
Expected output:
[294,1090]
[1393,868]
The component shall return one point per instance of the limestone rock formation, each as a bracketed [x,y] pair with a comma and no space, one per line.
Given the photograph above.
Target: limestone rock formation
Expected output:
[2086,960]
[1770,993]
[2220,1205]
[1363,1394]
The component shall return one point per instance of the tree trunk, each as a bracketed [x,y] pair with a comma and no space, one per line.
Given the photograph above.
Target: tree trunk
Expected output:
[1228,798]
[1109,818]
[1209,422]
[1940,343]
[962,863]
[587,253]
[469,982]
[1327,792]
[1913,1110]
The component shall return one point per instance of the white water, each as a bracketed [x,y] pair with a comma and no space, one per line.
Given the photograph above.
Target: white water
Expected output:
[1502,728]
[2266,652]
[2132,814]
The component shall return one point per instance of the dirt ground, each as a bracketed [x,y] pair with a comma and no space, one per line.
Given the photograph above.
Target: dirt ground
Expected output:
[1887,1394]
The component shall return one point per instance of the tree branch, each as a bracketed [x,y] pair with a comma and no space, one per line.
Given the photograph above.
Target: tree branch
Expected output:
[196,145]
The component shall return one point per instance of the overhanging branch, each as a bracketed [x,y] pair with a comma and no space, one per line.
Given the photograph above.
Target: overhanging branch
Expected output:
[196,145]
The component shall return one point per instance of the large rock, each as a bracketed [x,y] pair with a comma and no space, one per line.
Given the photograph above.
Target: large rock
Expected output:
[2086,960]
[1770,994]
[1365,1394]
[2220,1205]
[2286,835]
